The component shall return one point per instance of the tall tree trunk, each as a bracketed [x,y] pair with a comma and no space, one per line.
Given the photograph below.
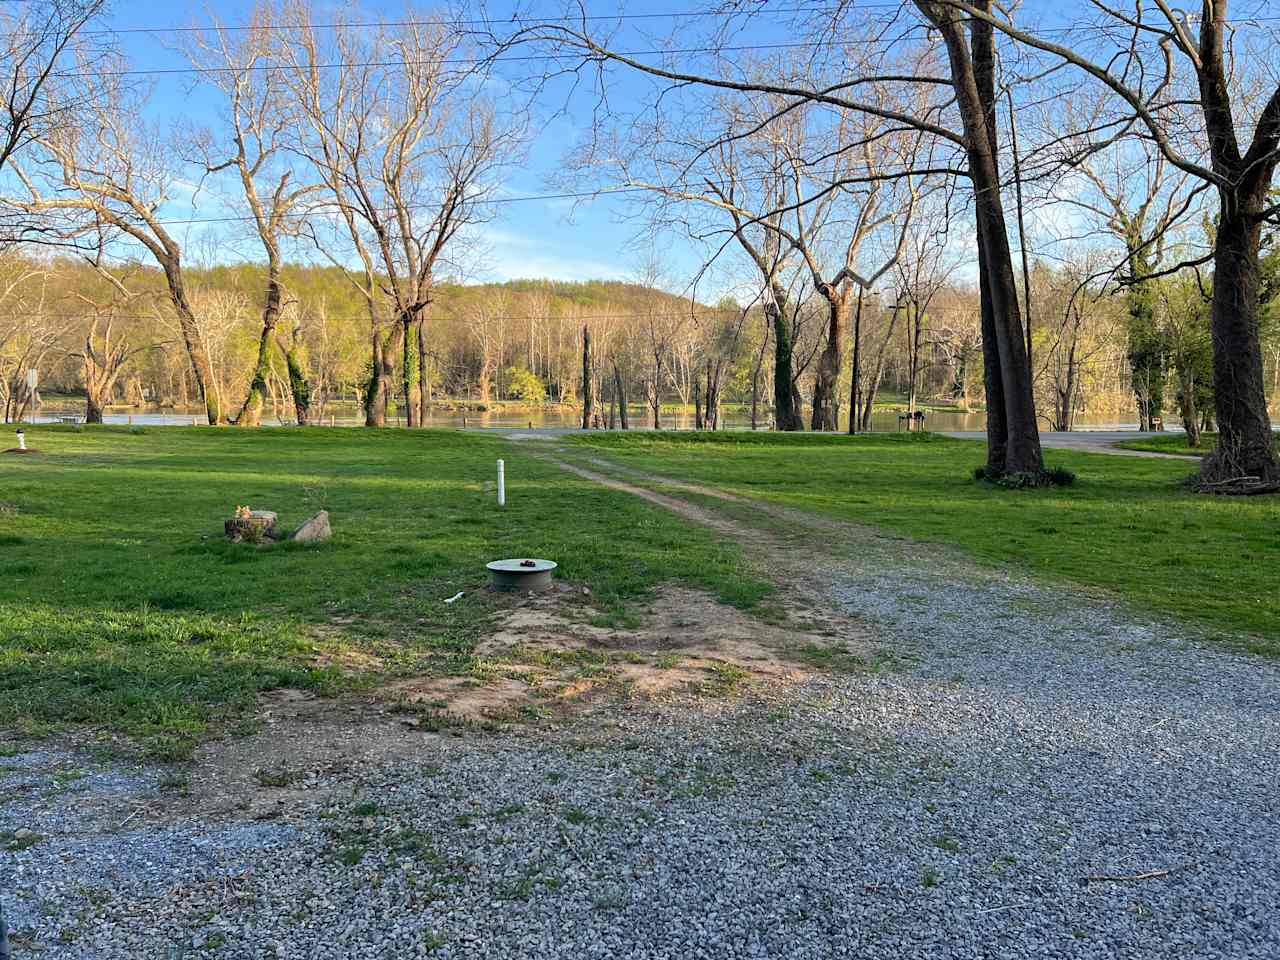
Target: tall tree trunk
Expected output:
[914,325]
[786,414]
[826,393]
[299,384]
[1246,445]
[378,390]
[250,414]
[755,379]
[424,375]
[621,391]
[992,382]
[201,367]
[1147,347]
[697,402]
[1187,402]
[586,378]
[655,397]
[855,385]
[877,373]
[409,379]
[973,78]
[713,394]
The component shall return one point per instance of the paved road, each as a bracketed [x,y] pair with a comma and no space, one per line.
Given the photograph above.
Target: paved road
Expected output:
[1090,441]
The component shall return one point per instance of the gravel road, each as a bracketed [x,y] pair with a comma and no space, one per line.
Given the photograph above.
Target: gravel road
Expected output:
[967,798]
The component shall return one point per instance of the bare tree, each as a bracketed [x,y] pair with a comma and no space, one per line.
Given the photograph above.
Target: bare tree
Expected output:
[922,271]
[102,362]
[244,66]
[408,145]
[101,177]
[1013,438]
[34,39]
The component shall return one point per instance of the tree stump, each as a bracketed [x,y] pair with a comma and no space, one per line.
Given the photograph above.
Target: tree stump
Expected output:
[258,527]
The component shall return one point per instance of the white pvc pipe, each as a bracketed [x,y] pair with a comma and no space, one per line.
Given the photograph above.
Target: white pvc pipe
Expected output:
[502,483]
[22,440]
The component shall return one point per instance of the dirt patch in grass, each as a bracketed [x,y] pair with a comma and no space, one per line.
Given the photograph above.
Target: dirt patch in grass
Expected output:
[549,659]
[552,650]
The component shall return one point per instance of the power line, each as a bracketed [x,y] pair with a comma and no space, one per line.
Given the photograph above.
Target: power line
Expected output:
[478,22]
[499,21]
[705,313]
[578,195]
[474,61]
[449,61]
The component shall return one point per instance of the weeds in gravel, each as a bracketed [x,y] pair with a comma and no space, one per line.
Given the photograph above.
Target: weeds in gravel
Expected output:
[577,816]
[523,887]
[19,839]
[610,900]
[834,658]
[930,877]
[276,776]
[945,843]
[175,783]
[726,680]
[351,855]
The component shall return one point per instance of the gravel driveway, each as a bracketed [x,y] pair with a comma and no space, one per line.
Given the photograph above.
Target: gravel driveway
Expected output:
[966,799]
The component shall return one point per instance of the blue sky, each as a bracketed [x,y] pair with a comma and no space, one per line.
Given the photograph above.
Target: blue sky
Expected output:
[537,238]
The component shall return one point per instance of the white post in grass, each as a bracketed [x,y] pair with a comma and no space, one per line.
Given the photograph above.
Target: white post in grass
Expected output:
[502,483]
[22,440]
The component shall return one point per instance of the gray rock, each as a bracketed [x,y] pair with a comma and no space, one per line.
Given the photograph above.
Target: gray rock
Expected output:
[314,529]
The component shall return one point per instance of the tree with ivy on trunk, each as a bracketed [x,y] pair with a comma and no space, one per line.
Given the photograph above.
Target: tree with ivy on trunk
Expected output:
[244,66]
[1194,62]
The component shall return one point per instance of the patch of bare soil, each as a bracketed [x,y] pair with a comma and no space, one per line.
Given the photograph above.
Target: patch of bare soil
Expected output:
[551,650]
[281,757]
[548,660]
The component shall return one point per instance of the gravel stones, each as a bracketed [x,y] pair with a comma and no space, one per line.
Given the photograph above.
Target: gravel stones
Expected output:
[950,802]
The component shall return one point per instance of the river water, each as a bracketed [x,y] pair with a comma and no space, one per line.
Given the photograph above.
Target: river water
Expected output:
[732,418]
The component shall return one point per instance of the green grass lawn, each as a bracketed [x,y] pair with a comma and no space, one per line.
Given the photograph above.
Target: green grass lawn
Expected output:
[1174,443]
[122,606]
[1171,443]
[1127,525]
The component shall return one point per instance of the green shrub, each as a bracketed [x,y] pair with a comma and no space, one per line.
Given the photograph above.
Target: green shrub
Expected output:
[1026,479]
[524,385]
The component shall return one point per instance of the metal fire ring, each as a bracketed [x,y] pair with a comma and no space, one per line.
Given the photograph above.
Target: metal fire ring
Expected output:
[520,574]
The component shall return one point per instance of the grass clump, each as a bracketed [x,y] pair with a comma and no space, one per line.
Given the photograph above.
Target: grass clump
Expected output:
[726,680]
[276,776]
[1025,479]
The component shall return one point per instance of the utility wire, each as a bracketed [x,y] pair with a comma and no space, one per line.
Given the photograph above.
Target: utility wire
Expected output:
[584,194]
[473,61]
[478,22]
